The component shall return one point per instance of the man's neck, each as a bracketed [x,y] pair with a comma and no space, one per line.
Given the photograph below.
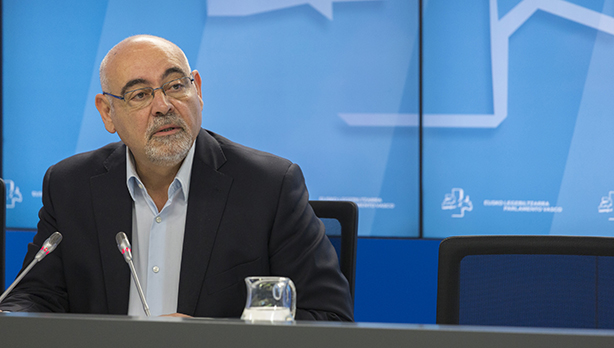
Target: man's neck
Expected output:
[157,180]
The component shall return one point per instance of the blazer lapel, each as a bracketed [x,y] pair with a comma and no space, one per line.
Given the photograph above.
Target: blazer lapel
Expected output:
[113,213]
[207,199]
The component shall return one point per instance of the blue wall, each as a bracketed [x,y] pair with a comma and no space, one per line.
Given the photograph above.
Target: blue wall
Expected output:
[396,279]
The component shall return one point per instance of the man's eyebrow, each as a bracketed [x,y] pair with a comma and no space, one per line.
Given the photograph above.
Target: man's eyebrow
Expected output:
[173,70]
[167,73]
[132,83]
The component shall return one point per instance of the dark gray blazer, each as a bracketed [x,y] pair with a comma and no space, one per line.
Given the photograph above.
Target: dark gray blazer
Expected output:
[248,214]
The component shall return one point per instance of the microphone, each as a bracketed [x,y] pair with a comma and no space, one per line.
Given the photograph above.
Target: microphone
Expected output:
[48,246]
[124,247]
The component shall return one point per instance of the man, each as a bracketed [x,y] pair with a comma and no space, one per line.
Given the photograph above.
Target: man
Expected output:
[201,211]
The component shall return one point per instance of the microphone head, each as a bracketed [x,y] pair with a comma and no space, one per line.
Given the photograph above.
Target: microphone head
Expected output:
[49,245]
[124,246]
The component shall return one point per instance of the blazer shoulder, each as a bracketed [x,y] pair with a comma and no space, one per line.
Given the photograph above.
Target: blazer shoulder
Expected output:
[92,162]
[237,154]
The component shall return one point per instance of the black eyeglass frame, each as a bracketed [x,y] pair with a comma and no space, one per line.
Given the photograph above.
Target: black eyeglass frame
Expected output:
[153,90]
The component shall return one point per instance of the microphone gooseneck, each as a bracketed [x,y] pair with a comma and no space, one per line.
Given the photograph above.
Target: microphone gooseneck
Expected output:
[49,245]
[124,247]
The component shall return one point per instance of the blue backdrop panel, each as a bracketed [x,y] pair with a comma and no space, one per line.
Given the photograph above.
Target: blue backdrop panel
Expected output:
[327,84]
[48,58]
[518,117]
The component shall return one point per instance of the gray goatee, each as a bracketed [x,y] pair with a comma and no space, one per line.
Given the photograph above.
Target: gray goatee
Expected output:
[171,149]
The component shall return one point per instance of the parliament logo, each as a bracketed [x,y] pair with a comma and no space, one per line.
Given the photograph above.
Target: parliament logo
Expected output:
[605,206]
[458,202]
[13,194]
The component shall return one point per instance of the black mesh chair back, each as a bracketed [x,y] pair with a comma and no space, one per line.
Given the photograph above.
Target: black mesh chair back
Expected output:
[341,221]
[539,281]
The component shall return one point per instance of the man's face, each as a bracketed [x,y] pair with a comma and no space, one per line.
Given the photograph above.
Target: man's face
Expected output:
[162,132]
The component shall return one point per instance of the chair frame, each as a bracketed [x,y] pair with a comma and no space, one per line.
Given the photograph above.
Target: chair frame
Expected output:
[346,212]
[453,249]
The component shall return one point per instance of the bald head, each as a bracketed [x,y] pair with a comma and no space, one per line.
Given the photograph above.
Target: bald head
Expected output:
[127,49]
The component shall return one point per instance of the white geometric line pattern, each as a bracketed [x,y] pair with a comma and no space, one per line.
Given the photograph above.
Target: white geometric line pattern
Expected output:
[500,31]
[233,8]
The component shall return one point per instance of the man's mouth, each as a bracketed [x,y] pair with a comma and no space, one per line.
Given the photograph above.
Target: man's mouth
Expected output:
[166,130]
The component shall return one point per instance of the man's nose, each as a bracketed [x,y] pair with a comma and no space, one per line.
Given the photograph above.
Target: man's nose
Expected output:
[160,105]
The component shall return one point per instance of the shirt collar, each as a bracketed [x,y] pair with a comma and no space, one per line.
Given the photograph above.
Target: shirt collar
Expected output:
[182,179]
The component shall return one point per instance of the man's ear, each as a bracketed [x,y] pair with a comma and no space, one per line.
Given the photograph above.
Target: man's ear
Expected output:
[104,108]
[198,84]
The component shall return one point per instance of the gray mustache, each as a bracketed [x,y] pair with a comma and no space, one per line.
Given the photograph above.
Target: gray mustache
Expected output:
[163,121]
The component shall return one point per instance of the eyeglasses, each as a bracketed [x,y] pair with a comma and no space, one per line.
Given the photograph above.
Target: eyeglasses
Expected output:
[142,97]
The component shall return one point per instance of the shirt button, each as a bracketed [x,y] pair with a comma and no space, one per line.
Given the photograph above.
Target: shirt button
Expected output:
[158,219]
[140,186]
[156,269]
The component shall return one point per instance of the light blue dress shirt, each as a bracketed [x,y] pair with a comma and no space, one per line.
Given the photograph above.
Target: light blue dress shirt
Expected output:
[157,239]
